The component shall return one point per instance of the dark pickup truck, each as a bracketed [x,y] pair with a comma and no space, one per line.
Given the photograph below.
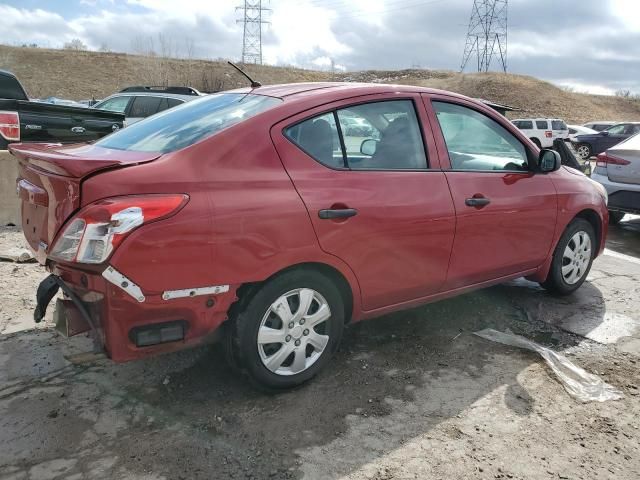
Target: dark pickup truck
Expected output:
[22,120]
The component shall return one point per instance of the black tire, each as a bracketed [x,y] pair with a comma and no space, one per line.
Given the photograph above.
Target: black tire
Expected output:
[555,282]
[242,343]
[586,149]
[615,217]
[537,142]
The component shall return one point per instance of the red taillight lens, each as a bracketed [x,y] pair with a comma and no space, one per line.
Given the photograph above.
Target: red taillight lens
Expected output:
[548,134]
[96,230]
[10,126]
[603,159]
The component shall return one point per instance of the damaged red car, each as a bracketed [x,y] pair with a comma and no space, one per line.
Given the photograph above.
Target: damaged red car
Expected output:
[278,214]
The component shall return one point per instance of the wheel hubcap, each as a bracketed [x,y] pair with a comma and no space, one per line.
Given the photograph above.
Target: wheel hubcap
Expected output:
[583,151]
[576,257]
[286,347]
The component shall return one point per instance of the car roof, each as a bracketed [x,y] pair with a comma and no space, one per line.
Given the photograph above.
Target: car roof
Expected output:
[351,88]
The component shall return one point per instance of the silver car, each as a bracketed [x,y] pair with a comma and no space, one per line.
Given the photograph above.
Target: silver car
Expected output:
[618,170]
[141,102]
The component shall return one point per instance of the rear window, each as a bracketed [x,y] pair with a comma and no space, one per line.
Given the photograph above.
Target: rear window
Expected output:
[524,124]
[558,125]
[186,124]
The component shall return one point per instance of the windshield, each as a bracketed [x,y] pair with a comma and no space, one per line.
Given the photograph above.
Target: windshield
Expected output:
[186,124]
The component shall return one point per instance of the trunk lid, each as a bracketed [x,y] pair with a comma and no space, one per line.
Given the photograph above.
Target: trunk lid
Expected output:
[626,168]
[49,182]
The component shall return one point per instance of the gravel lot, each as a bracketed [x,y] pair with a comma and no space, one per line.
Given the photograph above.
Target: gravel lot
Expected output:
[409,395]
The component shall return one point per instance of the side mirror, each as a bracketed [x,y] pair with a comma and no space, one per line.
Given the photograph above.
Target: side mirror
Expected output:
[549,161]
[605,133]
[368,147]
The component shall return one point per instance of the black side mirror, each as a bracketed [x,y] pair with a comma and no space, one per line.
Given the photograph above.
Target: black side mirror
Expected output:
[368,147]
[549,161]
[605,133]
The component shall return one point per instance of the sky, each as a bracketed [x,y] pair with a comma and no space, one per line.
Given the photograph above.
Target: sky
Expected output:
[586,45]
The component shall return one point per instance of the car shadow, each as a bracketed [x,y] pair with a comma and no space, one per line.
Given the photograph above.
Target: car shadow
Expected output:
[625,237]
[187,415]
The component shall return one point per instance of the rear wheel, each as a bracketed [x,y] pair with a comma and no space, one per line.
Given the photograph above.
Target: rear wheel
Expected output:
[572,258]
[288,330]
[584,151]
[615,217]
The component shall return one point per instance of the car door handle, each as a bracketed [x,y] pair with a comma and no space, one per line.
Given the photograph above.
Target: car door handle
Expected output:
[477,202]
[337,213]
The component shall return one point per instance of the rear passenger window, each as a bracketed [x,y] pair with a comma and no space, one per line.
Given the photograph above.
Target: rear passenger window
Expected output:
[144,106]
[558,125]
[375,136]
[542,125]
[318,137]
[477,142]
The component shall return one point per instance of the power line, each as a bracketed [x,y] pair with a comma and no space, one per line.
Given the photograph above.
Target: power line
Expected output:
[252,32]
[487,34]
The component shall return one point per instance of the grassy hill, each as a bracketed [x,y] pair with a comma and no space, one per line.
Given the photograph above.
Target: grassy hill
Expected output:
[78,75]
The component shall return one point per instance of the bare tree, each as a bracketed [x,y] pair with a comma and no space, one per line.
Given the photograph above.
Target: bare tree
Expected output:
[75,44]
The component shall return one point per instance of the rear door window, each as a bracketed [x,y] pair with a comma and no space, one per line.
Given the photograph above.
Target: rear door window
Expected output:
[542,125]
[167,103]
[382,135]
[144,106]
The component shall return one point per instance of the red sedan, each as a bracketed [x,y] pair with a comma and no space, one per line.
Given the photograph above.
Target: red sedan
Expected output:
[279,214]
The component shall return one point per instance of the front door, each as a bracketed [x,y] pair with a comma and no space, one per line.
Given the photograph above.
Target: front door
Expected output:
[506,213]
[374,193]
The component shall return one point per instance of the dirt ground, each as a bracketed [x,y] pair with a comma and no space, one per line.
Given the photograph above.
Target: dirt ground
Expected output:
[409,395]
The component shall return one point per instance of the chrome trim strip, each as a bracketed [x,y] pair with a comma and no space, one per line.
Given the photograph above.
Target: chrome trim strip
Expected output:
[119,280]
[193,292]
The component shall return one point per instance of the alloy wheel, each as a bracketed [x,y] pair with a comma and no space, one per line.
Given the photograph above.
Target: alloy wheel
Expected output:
[584,152]
[294,332]
[576,257]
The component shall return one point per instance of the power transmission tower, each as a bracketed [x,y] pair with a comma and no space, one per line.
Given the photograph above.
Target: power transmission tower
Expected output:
[252,36]
[487,34]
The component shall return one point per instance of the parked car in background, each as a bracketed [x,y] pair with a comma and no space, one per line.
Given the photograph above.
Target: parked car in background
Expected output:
[28,121]
[542,131]
[600,126]
[618,170]
[238,210]
[141,102]
[575,130]
[589,145]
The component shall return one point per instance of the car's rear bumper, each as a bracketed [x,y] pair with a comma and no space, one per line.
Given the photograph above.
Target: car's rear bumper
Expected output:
[129,328]
[623,197]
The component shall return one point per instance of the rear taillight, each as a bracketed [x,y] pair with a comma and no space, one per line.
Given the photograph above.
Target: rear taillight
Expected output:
[10,126]
[603,159]
[96,230]
[548,134]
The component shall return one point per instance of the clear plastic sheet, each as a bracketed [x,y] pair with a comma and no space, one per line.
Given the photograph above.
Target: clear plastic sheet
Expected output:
[580,384]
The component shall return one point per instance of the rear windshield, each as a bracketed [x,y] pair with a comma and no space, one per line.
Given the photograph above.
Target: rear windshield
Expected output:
[186,124]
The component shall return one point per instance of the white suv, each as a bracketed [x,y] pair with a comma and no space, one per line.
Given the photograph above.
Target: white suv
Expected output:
[543,131]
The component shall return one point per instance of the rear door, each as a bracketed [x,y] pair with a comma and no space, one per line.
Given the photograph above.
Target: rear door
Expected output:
[369,175]
[506,214]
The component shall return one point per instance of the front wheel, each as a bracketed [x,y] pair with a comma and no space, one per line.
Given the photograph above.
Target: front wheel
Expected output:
[288,330]
[572,258]
[584,151]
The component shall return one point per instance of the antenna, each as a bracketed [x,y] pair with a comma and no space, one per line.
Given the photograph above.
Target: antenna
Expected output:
[252,32]
[487,34]
[254,84]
